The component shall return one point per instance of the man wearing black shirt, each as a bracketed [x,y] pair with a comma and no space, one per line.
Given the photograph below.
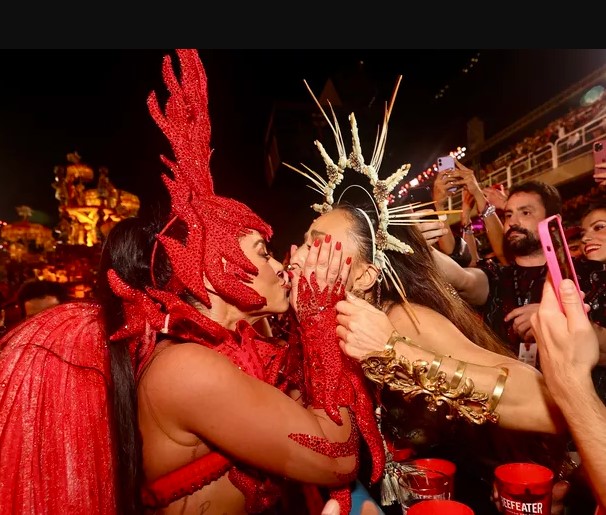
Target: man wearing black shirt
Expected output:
[507,295]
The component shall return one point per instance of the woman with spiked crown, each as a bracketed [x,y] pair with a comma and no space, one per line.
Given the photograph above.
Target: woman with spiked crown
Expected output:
[417,341]
[161,396]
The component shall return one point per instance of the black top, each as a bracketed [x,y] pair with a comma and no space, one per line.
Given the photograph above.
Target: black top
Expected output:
[512,286]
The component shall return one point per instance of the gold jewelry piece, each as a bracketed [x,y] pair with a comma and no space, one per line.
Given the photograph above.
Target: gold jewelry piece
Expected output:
[435,366]
[395,338]
[419,378]
[499,388]
[458,375]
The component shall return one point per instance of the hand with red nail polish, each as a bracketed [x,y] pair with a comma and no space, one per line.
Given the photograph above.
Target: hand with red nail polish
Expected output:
[325,266]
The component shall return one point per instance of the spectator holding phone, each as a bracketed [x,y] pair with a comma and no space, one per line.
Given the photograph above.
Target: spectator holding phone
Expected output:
[455,246]
[465,178]
[569,352]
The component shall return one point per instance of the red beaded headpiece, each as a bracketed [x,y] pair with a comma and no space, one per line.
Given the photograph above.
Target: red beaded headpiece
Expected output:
[214,224]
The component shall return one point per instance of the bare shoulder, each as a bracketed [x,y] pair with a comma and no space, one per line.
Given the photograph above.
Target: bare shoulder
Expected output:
[186,366]
[401,320]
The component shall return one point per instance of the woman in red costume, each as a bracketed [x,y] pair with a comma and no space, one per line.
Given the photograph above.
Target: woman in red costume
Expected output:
[162,396]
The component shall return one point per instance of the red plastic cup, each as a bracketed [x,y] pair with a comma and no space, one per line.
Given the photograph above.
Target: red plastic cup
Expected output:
[435,480]
[440,507]
[524,488]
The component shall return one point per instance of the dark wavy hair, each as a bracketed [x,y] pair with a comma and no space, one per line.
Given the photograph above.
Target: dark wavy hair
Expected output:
[594,206]
[550,196]
[421,278]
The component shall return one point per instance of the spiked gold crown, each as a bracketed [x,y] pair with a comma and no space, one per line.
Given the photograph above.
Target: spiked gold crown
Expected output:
[381,189]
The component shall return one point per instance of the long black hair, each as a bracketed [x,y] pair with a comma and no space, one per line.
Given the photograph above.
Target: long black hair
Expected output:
[421,278]
[127,250]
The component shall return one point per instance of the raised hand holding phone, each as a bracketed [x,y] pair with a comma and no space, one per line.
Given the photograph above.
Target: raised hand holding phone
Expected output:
[559,260]
[445,164]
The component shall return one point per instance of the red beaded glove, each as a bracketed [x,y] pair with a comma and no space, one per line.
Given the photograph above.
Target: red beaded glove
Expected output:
[333,380]
[322,357]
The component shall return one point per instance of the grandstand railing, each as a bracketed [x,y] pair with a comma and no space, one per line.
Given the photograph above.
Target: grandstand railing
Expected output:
[570,146]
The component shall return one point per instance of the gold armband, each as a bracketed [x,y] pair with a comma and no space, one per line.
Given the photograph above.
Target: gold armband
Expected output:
[421,378]
[395,338]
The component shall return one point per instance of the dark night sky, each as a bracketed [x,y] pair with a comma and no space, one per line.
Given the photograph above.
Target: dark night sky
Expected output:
[93,101]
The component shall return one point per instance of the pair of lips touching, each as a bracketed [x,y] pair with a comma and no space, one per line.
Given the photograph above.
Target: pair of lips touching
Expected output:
[287,274]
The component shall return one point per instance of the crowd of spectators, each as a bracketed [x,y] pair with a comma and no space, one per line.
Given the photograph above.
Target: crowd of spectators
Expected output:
[550,134]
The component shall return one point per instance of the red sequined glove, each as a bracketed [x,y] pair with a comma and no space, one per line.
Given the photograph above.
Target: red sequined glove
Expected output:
[333,380]
[322,356]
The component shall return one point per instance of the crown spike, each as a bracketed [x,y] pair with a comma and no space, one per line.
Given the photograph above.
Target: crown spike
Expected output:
[336,130]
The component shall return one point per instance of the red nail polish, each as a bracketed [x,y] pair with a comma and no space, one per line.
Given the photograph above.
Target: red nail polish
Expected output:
[290,274]
[348,260]
[317,242]
[327,238]
[338,246]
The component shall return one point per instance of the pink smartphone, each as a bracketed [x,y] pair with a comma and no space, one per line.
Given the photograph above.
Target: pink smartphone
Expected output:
[555,247]
[599,157]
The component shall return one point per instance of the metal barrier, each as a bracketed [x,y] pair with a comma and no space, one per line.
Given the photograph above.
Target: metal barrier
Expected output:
[570,146]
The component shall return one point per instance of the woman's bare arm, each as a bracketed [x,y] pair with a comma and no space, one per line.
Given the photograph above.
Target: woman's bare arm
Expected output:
[195,390]
[525,404]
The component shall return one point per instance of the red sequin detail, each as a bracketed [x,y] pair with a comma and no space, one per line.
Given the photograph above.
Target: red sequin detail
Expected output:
[333,380]
[214,223]
[185,480]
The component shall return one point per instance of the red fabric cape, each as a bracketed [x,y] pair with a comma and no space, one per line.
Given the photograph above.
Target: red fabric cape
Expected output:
[55,442]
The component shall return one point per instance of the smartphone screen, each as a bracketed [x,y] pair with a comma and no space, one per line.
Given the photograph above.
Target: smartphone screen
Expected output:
[447,163]
[599,157]
[555,248]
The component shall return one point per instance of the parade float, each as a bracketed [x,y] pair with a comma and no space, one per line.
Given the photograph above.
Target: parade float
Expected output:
[89,205]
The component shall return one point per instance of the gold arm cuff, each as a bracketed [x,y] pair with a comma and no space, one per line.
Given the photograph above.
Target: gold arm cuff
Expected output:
[458,375]
[393,339]
[499,388]
[413,379]
[435,366]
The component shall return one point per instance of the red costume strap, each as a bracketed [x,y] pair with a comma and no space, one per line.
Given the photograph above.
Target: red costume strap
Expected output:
[185,480]
[55,438]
